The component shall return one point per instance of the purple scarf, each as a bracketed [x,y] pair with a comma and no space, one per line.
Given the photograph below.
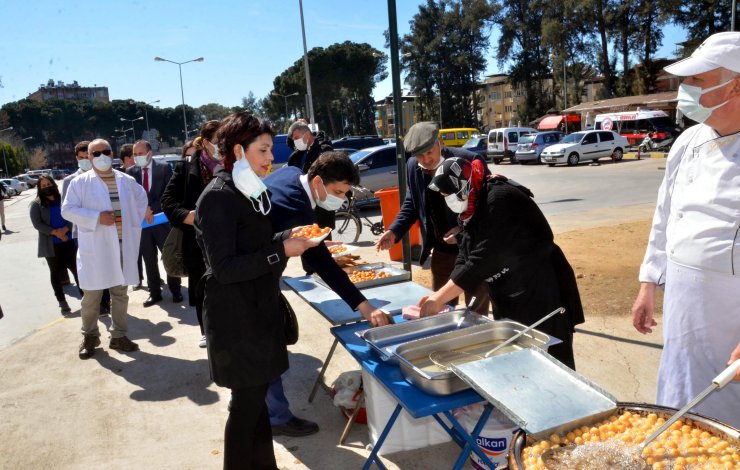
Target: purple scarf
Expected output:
[209,162]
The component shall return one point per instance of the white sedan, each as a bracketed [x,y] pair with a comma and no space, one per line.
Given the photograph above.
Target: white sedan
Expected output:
[584,146]
[15,185]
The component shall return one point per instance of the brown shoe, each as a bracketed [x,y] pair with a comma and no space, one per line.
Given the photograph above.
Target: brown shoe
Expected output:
[87,348]
[123,344]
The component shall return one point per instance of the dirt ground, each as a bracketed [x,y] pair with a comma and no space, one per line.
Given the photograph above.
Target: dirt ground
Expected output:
[606,261]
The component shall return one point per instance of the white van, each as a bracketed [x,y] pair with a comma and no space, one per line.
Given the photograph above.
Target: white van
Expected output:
[502,142]
[635,125]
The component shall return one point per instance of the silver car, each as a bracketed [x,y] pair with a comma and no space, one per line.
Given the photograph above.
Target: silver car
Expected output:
[531,146]
[378,170]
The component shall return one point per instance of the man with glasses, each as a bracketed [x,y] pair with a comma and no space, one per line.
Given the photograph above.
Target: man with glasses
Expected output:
[107,206]
[439,222]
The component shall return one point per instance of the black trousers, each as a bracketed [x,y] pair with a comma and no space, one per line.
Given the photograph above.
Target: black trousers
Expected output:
[248,435]
[65,257]
[152,242]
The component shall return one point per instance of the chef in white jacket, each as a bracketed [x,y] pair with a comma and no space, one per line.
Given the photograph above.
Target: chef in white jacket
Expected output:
[107,206]
[694,245]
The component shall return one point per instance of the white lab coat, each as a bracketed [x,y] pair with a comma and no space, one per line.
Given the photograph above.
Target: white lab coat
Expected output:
[694,249]
[100,264]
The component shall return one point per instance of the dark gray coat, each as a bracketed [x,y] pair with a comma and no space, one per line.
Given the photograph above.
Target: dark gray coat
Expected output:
[41,220]
[161,174]
[241,313]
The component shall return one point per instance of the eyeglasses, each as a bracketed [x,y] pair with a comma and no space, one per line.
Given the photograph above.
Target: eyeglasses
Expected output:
[97,153]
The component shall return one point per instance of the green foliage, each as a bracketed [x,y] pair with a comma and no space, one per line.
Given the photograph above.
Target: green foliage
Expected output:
[13,157]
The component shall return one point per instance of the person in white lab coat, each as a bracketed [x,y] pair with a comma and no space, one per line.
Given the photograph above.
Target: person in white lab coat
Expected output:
[107,206]
[694,245]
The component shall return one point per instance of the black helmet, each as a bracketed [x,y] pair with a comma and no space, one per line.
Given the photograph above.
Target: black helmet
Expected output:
[453,177]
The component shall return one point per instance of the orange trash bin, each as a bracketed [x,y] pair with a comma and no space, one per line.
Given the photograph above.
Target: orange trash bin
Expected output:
[390,206]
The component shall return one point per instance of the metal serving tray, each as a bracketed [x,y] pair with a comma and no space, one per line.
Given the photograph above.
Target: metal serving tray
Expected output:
[385,339]
[537,392]
[418,369]
[396,275]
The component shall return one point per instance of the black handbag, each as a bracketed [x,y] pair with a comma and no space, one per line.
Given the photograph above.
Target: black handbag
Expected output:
[290,321]
[172,257]
[172,251]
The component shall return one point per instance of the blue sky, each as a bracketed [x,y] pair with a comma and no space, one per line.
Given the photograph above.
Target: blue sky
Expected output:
[246,43]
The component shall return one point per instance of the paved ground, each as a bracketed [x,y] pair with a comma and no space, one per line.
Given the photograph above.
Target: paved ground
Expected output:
[157,408]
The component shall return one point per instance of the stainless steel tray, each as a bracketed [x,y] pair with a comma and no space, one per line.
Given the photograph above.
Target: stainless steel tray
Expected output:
[385,339]
[396,275]
[538,393]
[418,369]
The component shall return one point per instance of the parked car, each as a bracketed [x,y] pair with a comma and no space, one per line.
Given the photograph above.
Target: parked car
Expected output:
[30,180]
[586,145]
[8,190]
[378,170]
[357,142]
[390,140]
[477,145]
[15,184]
[502,142]
[457,136]
[531,146]
[170,158]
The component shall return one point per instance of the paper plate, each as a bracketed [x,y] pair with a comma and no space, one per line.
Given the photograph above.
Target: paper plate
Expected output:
[349,249]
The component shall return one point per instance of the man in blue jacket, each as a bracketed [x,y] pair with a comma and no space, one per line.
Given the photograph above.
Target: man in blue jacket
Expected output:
[439,223]
[294,197]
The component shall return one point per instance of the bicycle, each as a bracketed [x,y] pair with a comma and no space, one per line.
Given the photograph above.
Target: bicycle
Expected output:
[348,224]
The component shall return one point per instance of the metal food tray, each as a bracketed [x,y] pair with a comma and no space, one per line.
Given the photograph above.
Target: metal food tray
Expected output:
[385,339]
[396,275]
[537,392]
[418,369]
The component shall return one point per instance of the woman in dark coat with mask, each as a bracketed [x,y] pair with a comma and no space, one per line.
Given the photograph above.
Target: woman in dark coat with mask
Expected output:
[244,261]
[507,242]
[55,240]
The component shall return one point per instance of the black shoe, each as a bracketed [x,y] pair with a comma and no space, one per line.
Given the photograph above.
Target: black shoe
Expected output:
[177,297]
[104,309]
[4,229]
[64,306]
[87,348]
[296,427]
[153,299]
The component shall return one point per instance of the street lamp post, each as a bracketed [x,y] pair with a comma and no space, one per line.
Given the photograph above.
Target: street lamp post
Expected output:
[285,98]
[182,91]
[24,151]
[5,157]
[565,88]
[146,116]
[133,134]
[305,66]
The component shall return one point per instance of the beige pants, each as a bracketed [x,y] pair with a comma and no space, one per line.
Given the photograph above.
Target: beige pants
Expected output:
[91,311]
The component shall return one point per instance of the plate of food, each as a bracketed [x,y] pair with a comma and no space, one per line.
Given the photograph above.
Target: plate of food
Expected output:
[312,232]
[337,251]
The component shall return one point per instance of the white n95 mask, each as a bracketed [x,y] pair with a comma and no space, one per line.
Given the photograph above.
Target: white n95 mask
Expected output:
[102,163]
[455,204]
[85,165]
[688,101]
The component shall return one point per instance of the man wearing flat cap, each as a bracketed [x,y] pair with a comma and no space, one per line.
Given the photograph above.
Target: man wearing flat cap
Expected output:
[439,224]
[694,247]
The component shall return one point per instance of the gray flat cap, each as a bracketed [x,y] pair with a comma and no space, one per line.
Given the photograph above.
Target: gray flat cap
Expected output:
[421,137]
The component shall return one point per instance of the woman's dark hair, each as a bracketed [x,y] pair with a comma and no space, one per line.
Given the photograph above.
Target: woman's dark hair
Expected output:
[188,145]
[239,129]
[208,130]
[44,201]
[127,150]
[333,167]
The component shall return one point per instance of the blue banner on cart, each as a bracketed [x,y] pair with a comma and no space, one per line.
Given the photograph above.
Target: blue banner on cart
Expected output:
[159,218]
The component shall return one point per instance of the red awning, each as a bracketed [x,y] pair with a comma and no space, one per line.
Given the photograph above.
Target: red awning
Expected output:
[553,122]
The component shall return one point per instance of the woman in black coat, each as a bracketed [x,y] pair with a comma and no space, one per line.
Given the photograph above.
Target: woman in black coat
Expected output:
[507,242]
[244,261]
[200,161]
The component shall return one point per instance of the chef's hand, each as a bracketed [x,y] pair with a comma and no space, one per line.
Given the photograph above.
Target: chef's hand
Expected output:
[450,237]
[429,306]
[107,218]
[386,241]
[375,316]
[296,246]
[734,357]
[643,308]
[190,218]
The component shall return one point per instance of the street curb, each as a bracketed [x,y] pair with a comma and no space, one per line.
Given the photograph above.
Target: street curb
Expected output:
[633,156]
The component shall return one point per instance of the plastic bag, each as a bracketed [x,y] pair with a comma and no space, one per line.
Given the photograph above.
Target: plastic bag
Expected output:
[346,387]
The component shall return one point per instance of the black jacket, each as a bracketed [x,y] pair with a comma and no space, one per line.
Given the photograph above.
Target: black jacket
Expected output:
[303,159]
[161,174]
[509,244]
[414,206]
[241,313]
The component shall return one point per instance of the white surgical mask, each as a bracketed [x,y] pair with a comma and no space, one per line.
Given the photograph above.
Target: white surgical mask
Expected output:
[456,205]
[301,144]
[688,101]
[249,184]
[102,163]
[216,155]
[332,202]
[85,165]
[141,160]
